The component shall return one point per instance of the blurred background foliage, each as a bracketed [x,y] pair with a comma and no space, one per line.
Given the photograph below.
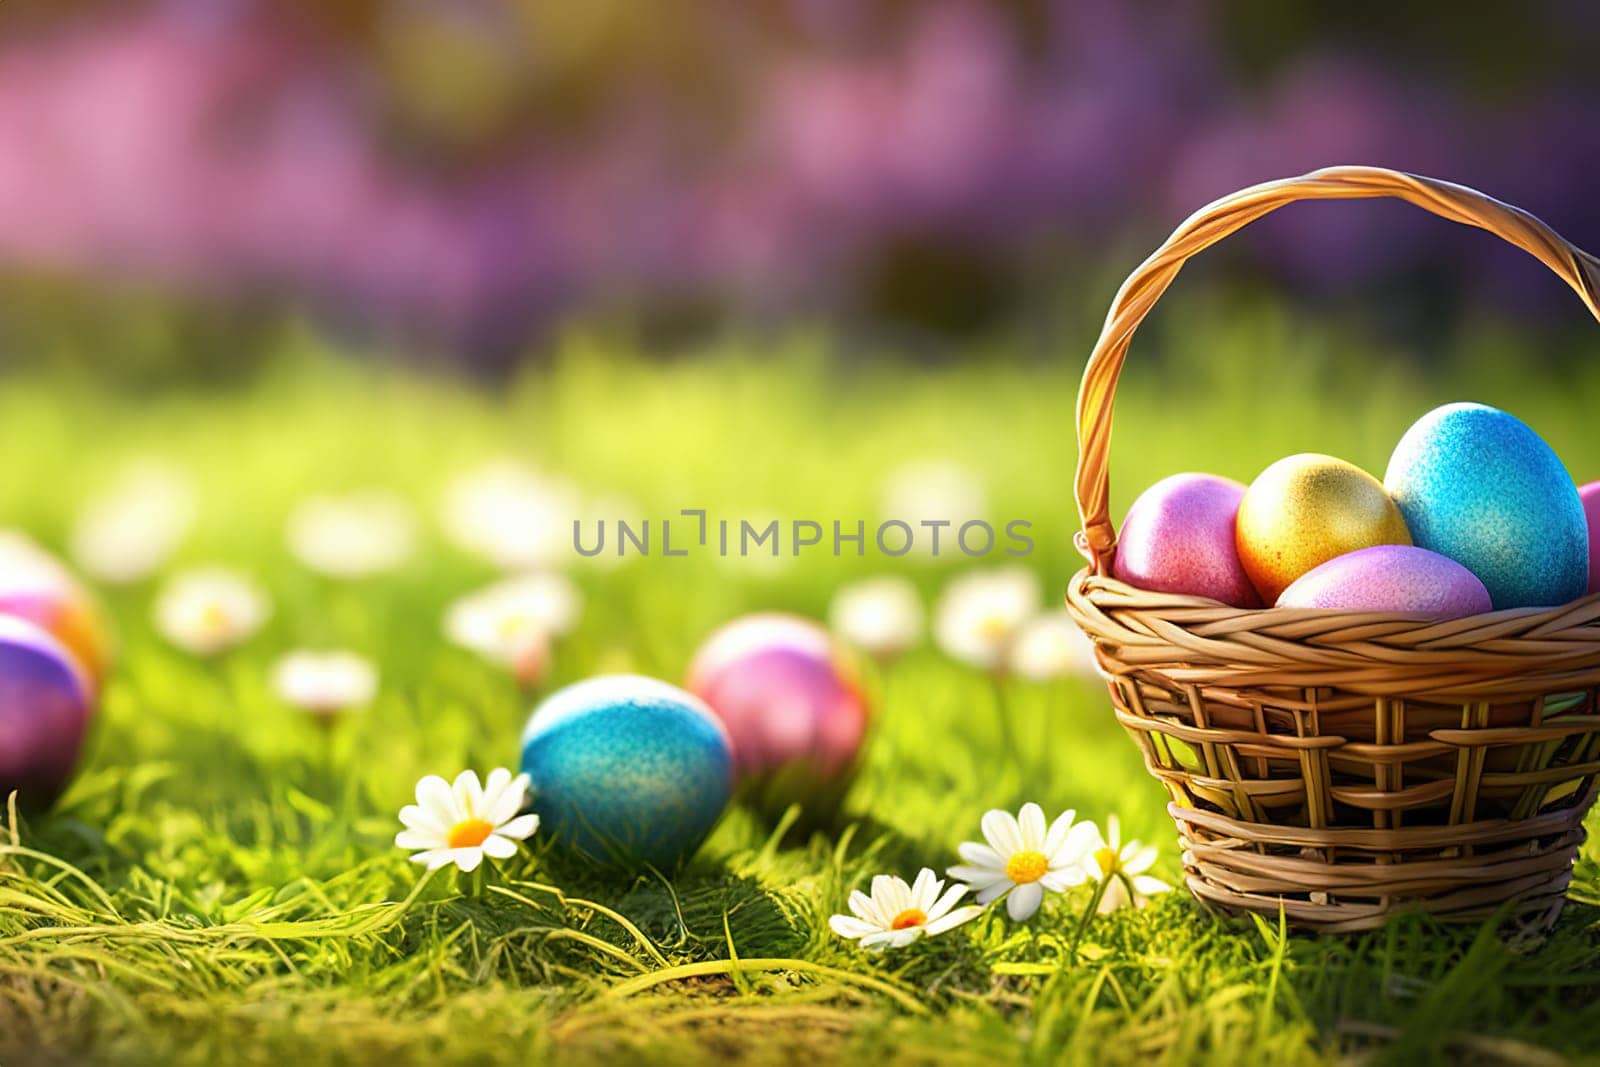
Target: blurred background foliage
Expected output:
[452,181]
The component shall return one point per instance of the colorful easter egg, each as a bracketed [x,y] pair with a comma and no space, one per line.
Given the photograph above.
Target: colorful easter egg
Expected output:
[34,585]
[1399,578]
[1305,510]
[628,771]
[1479,486]
[45,697]
[793,708]
[1589,496]
[1179,538]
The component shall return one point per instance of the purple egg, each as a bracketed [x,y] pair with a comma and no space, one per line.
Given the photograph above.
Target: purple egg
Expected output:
[1590,495]
[1179,538]
[45,699]
[1399,578]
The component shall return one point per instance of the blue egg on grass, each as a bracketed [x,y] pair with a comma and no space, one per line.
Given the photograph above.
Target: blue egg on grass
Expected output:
[629,771]
[1477,485]
[45,703]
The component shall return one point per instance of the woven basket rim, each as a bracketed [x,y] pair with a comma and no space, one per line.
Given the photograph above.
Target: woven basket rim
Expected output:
[1195,640]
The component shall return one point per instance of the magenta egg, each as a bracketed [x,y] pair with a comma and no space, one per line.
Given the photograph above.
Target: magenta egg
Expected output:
[793,708]
[1179,538]
[1590,495]
[45,698]
[1399,578]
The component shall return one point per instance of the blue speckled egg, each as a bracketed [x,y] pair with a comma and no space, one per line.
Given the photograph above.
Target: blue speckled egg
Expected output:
[629,771]
[1479,486]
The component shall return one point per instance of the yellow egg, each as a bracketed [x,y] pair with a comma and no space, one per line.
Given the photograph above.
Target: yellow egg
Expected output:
[1305,510]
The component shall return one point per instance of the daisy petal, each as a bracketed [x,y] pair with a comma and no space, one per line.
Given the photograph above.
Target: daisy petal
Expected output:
[989,894]
[499,848]
[417,817]
[981,855]
[945,902]
[1116,896]
[1024,901]
[513,795]
[891,894]
[1002,831]
[433,859]
[1142,859]
[953,919]
[434,797]
[1056,836]
[1030,821]
[467,859]
[925,890]
[1080,841]
[1062,879]
[867,909]
[493,787]
[469,794]
[879,940]
[902,938]
[520,828]
[849,926]
[1151,887]
[976,877]
[424,839]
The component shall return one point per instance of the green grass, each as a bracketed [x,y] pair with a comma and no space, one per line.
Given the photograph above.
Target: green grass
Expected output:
[220,884]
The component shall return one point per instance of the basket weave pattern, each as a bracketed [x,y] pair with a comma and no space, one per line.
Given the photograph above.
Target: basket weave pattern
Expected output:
[1345,765]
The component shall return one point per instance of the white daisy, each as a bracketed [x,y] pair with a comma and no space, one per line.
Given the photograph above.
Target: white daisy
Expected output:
[513,621]
[1023,858]
[934,490]
[352,535]
[882,616]
[1050,646]
[897,914]
[210,609]
[131,529]
[1120,868]
[510,515]
[464,822]
[979,614]
[325,683]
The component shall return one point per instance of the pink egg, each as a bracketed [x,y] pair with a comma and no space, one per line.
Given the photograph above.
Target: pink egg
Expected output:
[44,710]
[1590,495]
[1179,538]
[793,708]
[1399,578]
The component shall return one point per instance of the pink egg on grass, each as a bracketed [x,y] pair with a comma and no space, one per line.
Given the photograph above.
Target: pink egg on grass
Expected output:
[1590,496]
[1179,538]
[45,698]
[1400,578]
[793,708]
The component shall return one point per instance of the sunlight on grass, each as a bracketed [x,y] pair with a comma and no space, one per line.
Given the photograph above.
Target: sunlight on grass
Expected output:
[220,883]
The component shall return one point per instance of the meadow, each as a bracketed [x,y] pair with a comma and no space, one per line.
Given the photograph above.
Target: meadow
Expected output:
[220,883]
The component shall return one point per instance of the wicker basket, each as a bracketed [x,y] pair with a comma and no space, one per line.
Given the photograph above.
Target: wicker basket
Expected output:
[1346,765]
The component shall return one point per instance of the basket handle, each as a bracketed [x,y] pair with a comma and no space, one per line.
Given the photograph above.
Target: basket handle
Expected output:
[1097,540]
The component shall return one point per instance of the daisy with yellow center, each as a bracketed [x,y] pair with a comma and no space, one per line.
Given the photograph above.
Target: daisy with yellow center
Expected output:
[354,535]
[897,914]
[881,616]
[461,823]
[325,683]
[513,621]
[979,614]
[1022,858]
[210,610]
[1119,870]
